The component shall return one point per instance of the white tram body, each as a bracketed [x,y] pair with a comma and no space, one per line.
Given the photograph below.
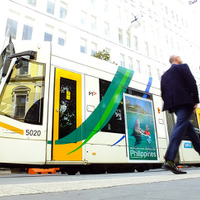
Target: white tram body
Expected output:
[53,94]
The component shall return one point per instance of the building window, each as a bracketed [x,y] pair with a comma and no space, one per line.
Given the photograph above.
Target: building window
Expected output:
[172,43]
[61,41]
[167,39]
[118,12]
[50,7]
[120,36]
[93,23]
[63,11]
[149,70]
[130,63]
[147,48]
[122,60]
[27,32]
[93,48]
[83,17]
[106,29]
[93,2]
[158,74]
[106,6]
[166,10]
[128,39]
[11,28]
[161,54]
[107,50]
[48,37]
[135,43]
[32,2]
[62,38]
[138,66]
[83,47]
[155,51]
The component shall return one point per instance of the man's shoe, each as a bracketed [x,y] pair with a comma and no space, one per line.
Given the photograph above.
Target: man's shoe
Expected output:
[172,167]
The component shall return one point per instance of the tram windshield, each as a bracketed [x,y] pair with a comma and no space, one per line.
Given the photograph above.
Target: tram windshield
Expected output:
[22,95]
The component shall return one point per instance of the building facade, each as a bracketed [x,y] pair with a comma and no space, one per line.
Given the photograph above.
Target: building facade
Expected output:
[138,34]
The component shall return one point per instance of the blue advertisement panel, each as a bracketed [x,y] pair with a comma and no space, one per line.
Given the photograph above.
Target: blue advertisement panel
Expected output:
[140,129]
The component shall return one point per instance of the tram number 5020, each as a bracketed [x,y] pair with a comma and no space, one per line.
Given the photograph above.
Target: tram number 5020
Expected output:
[31,132]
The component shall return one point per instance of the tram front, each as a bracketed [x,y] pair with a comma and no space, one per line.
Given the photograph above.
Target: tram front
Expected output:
[22,90]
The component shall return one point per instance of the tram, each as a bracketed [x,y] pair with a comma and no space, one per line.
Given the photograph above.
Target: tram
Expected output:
[81,113]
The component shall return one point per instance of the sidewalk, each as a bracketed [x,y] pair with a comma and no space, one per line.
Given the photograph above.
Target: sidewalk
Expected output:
[63,183]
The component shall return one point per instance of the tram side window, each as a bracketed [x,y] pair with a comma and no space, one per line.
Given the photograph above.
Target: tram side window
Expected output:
[117,123]
[138,93]
[22,95]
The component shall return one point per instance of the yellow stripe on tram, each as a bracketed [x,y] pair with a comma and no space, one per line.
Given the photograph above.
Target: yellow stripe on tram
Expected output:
[11,128]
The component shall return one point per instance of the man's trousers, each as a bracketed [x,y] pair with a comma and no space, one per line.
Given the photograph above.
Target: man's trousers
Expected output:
[182,128]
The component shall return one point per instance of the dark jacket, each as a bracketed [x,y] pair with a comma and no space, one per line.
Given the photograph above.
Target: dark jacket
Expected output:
[178,87]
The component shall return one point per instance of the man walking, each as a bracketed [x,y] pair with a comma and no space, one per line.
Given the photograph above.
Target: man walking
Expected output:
[180,95]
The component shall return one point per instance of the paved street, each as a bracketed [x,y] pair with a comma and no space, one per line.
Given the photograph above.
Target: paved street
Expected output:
[154,184]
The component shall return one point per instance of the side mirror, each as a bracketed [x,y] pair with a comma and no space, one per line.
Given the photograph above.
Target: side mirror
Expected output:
[18,63]
[31,54]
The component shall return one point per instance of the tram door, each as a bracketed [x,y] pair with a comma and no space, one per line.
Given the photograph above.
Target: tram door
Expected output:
[67,114]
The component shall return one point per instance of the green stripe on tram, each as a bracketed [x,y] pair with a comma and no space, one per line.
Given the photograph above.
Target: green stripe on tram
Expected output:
[104,111]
